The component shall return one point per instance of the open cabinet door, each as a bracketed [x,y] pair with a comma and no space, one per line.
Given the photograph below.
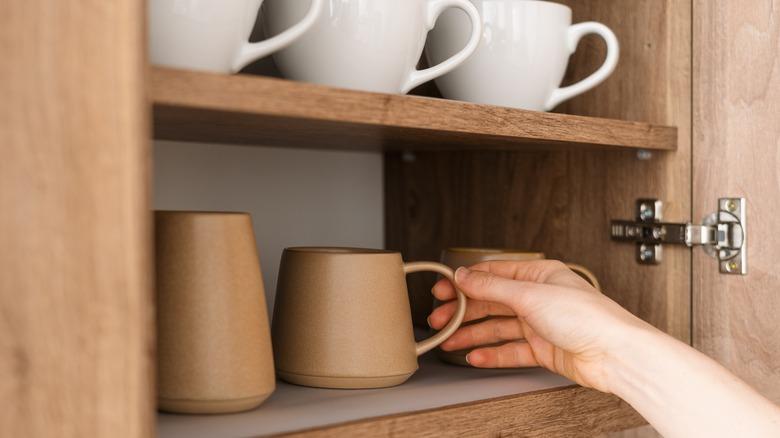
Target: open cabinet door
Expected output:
[736,152]
[76,332]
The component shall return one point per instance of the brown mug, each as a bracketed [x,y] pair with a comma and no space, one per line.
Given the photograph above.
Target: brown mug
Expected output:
[213,341]
[457,257]
[342,318]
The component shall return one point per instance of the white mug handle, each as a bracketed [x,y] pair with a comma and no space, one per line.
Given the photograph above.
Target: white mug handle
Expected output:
[434,9]
[251,52]
[573,37]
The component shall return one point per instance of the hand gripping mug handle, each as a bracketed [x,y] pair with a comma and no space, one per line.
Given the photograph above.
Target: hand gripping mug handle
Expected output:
[429,344]
[434,9]
[573,37]
[251,52]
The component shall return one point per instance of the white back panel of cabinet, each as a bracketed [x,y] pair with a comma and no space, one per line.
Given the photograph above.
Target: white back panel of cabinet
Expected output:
[296,196]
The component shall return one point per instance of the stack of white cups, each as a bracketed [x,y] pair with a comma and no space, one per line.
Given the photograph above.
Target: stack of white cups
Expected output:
[510,53]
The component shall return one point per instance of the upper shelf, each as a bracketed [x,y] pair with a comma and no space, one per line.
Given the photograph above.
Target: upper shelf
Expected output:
[246,109]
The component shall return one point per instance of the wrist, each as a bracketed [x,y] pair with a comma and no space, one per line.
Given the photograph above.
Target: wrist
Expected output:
[630,363]
[682,392]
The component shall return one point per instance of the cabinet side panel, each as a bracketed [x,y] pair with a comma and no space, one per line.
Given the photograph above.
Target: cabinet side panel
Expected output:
[561,202]
[736,145]
[75,261]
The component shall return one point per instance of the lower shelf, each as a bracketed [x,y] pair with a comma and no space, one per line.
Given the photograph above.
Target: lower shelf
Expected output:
[439,399]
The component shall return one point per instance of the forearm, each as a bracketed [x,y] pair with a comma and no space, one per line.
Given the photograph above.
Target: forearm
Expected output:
[683,393]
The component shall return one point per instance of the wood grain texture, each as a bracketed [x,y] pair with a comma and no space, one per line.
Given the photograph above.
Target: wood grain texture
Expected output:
[567,412]
[75,296]
[561,202]
[736,150]
[246,109]
[639,432]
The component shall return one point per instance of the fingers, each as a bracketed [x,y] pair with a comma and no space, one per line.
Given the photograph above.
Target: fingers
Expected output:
[537,271]
[541,271]
[486,286]
[474,310]
[511,355]
[443,290]
[487,332]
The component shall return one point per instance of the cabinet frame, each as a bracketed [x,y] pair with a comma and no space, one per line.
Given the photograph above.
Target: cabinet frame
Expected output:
[77,247]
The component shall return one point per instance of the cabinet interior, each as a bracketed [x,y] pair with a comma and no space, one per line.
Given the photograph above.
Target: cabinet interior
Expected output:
[557,200]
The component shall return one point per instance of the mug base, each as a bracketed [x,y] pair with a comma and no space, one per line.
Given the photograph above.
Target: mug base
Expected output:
[343,382]
[184,406]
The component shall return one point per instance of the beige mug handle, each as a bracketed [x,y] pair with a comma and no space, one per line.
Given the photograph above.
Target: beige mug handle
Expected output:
[584,272]
[429,344]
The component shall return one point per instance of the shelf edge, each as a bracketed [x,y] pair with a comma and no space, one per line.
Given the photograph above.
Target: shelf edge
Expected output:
[570,410]
[218,107]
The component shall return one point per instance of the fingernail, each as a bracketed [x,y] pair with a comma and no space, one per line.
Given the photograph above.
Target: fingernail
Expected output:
[429,322]
[468,358]
[461,274]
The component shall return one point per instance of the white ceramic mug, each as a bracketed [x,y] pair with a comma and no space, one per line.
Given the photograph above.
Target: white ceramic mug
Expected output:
[213,35]
[522,58]
[370,45]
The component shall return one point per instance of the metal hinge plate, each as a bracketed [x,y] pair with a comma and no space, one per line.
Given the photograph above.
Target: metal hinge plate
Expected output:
[722,234]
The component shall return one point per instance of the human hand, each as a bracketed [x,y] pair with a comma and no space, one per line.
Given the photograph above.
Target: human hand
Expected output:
[549,317]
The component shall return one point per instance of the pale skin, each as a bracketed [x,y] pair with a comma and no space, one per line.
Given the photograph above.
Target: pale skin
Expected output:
[552,318]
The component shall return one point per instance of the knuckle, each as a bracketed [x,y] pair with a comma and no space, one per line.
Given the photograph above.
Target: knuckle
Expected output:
[542,270]
[503,358]
[472,335]
[515,354]
[485,280]
[473,310]
[496,330]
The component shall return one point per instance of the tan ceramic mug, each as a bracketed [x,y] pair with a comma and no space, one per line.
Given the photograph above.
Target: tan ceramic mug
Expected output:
[457,257]
[342,318]
[213,340]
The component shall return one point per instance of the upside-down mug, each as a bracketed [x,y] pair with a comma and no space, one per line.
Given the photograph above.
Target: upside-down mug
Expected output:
[342,318]
[213,337]
[213,35]
[370,45]
[522,57]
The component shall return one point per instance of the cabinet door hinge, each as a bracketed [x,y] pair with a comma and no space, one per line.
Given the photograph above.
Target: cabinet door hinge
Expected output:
[722,234]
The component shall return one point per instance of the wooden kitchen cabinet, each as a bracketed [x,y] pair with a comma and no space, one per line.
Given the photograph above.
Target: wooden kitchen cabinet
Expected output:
[689,116]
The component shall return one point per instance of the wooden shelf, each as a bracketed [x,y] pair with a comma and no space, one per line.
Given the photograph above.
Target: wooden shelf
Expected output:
[246,109]
[438,398]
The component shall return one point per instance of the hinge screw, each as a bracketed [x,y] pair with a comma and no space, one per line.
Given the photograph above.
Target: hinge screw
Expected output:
[646,254]
[646,213]
[731,206]
[732,266]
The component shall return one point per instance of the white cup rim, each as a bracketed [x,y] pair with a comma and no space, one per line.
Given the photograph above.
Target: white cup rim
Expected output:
[545,3]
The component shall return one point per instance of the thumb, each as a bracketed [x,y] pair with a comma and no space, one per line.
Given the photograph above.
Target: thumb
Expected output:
[486,286]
